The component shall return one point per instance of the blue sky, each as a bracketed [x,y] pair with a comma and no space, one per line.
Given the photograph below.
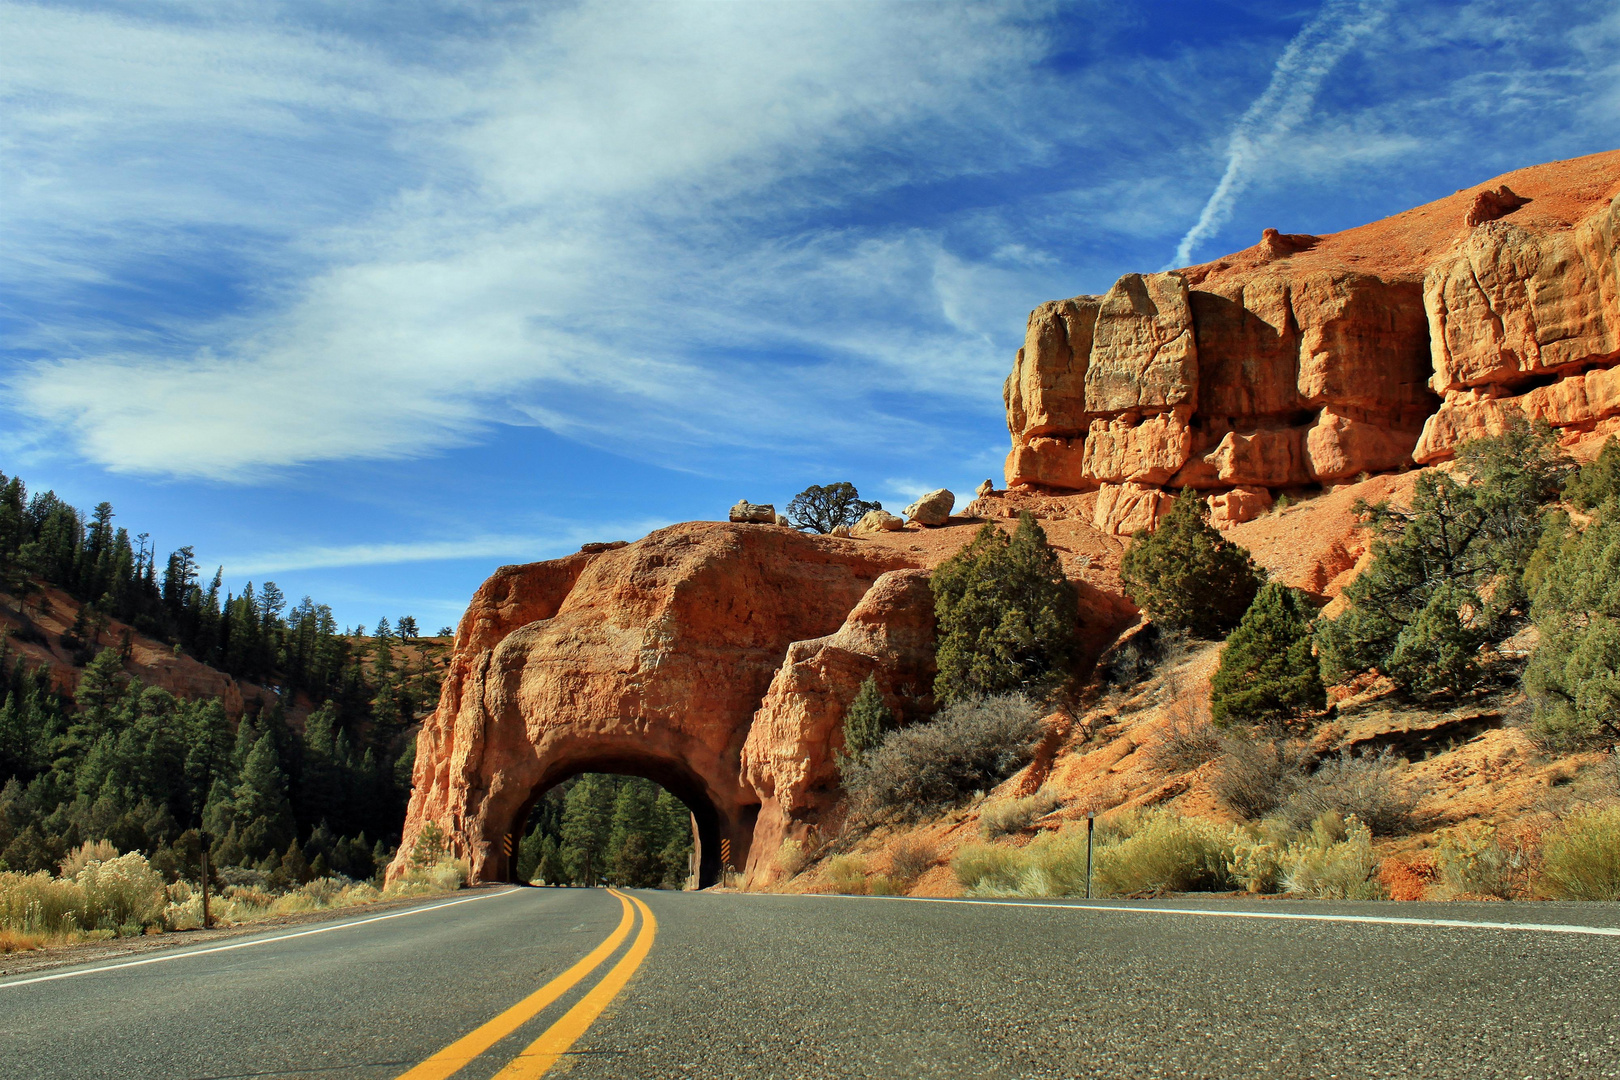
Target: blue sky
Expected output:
[369,299]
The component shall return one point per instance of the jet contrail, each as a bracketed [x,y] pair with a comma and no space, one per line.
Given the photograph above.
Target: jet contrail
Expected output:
[1294,83]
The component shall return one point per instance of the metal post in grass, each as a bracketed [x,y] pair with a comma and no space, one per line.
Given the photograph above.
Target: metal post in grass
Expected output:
[1091,824]
[204,881]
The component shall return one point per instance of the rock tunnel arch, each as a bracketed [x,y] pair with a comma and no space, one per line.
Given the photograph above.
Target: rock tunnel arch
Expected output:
[648,659]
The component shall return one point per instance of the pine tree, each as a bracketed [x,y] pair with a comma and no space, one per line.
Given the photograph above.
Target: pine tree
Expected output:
[1186,575]
[1268,672]
[294,867]
[824,507]
[674,840]
[634,814]
[1008,618]
[1598,482]
[260,799]
[1573,678]
[1438,651]
[866,721]
[383,652]
[587,820]
[431,845]
[1449,571]
[549,866]
[636,864]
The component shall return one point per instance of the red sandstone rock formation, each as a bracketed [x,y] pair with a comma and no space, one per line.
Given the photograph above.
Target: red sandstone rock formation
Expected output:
[650,659]
[1310,360]
[789,756]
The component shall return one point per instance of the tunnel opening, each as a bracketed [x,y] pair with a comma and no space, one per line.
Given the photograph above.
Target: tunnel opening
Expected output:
[633,823]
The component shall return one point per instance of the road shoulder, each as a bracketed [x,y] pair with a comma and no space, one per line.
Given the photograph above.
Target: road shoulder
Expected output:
[90,952]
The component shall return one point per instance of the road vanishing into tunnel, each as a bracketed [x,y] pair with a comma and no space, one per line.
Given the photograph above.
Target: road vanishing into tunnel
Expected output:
[594,983]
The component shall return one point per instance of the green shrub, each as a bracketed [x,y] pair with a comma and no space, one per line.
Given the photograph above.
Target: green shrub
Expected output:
[1598,482]
[120,893]
[1008,618]
[791,858]
[39,903]
[1055,864]
[1335,861]
[1268,673]
[1571,678]
[970,746]
[884,885]
[1165,853]
[1581,858]
[443,876]
[1473,861]
[847,874]
[1438,651]
[1256,861]
[823,507]
[1160,851]
[184,909]
[866,721]
[86,853]
[1448,572]
[986,868]
[1368,788]
[1186,575]
[1005,816]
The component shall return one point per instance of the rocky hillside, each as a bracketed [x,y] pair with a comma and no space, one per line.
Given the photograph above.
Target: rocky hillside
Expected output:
[1309,360]
[34,630]
[718,658]
[36,635]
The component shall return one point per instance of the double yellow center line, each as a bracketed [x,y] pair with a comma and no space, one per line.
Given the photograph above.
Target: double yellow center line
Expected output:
[540,1055]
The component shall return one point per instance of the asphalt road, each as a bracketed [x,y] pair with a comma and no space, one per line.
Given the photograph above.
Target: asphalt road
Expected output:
[781,987]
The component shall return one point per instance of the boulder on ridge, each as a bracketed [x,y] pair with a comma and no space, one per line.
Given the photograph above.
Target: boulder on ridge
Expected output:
[934,508]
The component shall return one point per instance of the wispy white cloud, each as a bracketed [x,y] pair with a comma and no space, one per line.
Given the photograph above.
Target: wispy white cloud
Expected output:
[658,231]
[1286,101]
[574,229]
[525,547]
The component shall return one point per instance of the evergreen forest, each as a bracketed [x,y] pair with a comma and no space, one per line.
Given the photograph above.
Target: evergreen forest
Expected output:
[601,828]
[139,767]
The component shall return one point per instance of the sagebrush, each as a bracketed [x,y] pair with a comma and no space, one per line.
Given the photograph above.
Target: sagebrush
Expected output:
[1369,788]
[970,746]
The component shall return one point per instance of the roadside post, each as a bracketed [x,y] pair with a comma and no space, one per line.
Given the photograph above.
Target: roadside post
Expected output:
[1091,824]
[206,840]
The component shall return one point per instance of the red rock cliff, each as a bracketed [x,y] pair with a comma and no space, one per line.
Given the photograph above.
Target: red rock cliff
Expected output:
[649,659]
[1308,360]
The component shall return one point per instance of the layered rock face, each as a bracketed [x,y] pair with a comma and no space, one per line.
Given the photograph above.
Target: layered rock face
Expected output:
[650,659]
[790,756]
[1310,360]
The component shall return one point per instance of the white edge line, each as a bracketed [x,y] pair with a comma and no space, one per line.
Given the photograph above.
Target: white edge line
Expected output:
[1385,920]
[188,953]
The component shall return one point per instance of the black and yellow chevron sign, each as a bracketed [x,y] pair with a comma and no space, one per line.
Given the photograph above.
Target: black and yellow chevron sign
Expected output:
[506,845]
[725,852]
